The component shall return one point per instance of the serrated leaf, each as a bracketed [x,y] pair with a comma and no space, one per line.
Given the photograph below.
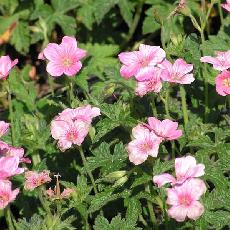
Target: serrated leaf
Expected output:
[126,9]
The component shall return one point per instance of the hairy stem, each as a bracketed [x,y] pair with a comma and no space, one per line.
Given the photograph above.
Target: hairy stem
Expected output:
[87,169]
[11,115]
[8,216]
[184,104]
[220,13]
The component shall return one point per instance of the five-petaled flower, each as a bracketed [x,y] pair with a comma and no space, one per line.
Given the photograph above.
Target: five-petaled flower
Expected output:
[63,58]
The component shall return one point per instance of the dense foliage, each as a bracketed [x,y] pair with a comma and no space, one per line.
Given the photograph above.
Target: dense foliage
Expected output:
[107,190]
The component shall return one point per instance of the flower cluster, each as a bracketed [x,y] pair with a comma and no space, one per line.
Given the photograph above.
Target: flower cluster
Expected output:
[147,138]
[71,126]
[186,189]
[149,67]
[221,63]
[10,158]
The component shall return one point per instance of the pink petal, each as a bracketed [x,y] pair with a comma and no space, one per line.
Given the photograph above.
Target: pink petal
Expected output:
[180,66]
[195,187]
[54,69]
[172,197]
[178,213]
[195,210]
[129,71]
[52,52]
[144,74]
[129,58]
[163,179]
[73,69]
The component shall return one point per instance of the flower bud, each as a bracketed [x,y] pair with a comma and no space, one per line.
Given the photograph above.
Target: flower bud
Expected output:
[121,181]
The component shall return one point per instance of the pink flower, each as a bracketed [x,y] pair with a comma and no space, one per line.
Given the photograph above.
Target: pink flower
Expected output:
[68,133]
[83,113]
[223,83]
[185,200]
[226,5]
[7,195]
[166,129]
[185,167]
[145,143]
[6,64]
[220,62]
[63,58]
[179,72]
[71,126]
[140,63]
[35,179]
[3,128]
[152,85]
[9,167]
[66,193]
[8,150]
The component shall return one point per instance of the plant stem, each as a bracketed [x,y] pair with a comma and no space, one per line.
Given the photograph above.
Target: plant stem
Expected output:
[184,104]
[70,92]
[87,169]
[150,207]
[153,105]
[9,218]
[134,24]
[220,13]
[11,115]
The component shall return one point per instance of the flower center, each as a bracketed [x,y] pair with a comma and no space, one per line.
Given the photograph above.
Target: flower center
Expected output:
[226,82]
[72,135]
[67,62]
[4,198]
[185,200]
[145,147]
[144,62]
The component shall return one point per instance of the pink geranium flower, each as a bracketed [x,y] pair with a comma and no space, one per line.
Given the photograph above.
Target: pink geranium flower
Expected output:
[63,58]
[152,85]
[145,144]
[220,62]
[9,167]
[223,83]
[140,63]
[184,200]
[226,5]
[69,132]
[83,113]
[166,129]
[185,167]
[6,64]
[8,150]
[36,179]
[3,128]
[7,195]
[179,72]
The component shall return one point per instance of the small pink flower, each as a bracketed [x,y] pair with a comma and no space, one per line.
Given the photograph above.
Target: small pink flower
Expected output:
[63,58]
[145,143]
[69,132]
[152,85]
[185,167]
[166,129]
[9,167]
[7,195]
[35,179]
[184,200]
[179,72]
[6,64]
[3,128]
[140,63]
[220,62]
[83,113]
[223,83]
[226,5]
[8,150]
[64,195]
[50,192]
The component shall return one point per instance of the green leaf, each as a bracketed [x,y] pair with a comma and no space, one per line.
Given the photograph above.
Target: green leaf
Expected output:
[107,161]
[21,37]
[63,20]
[62,7]
[126,9]
[102,7]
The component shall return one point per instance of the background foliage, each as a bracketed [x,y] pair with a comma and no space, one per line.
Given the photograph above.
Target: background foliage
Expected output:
[104,28]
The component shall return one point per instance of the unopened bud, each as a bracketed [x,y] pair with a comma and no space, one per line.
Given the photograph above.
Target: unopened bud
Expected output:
[121,181]
[116,175]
